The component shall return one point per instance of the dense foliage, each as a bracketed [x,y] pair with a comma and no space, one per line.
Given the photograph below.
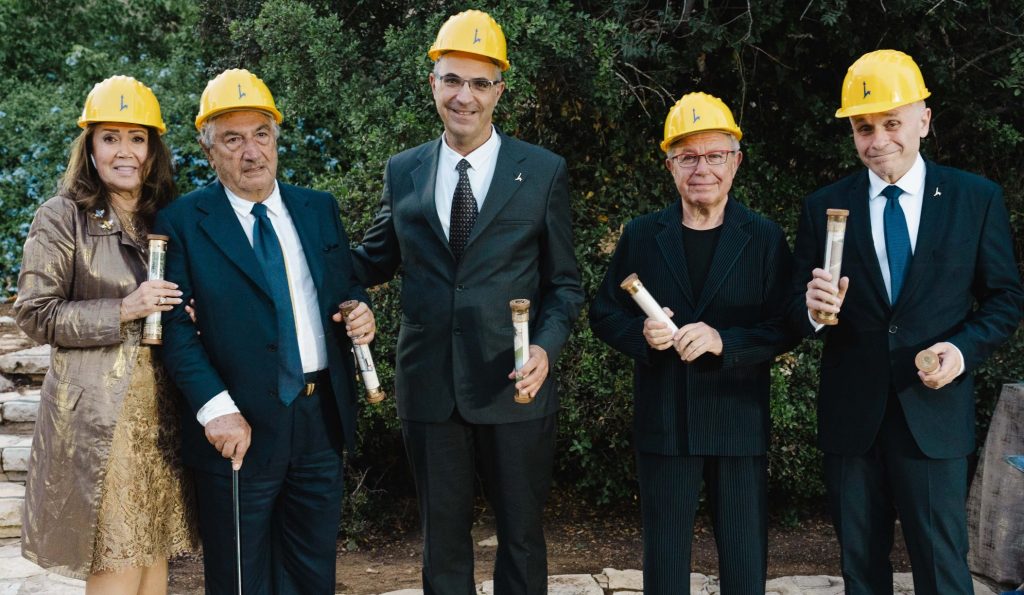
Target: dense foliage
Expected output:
[591,80]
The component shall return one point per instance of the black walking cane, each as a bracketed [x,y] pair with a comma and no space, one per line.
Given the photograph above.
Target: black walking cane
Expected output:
[238,526]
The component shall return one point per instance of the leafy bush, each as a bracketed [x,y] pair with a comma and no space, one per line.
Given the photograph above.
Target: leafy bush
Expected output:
[590,80]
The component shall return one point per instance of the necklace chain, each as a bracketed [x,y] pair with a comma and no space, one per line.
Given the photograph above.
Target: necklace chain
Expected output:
[127,219]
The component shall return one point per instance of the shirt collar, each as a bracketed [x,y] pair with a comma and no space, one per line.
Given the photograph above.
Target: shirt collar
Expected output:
[478,158]
[911,183]
[242,206]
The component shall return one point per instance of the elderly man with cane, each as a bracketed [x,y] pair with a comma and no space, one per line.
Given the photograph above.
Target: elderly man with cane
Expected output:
[268,379]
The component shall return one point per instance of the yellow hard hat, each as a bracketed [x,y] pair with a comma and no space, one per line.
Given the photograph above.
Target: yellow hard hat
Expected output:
[472,32]
[698,112]
[122,99]
[880,81]
[233,90]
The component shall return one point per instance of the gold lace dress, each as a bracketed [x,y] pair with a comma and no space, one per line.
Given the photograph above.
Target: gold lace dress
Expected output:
[146,503]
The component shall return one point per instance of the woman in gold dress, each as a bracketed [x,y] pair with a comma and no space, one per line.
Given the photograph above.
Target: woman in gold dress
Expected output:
[106,498]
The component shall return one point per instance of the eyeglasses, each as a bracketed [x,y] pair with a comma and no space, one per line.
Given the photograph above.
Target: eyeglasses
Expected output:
[481,85]
[689,161]
[233,141]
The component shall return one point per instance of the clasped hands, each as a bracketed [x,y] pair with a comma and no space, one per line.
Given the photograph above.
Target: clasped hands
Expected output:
[821,296]
[690,341]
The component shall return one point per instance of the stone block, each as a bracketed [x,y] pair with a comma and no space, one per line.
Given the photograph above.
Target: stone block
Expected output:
[628,580]
[34,361]
[812,581]
[6,385]
[14,440]
[491,541]
[573,584]
[19,411]
[15,459]
[19,567]
[10,512]
[52,584]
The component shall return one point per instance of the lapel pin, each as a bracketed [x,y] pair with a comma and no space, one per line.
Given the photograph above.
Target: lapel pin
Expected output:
[519,178]
[106,224]
[937,193]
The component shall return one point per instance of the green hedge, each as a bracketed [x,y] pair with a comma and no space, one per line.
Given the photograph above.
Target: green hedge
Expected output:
[590,80]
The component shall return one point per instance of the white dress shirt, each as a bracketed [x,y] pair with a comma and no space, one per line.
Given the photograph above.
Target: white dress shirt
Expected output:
[911,201]
[481,171]
[912,185]
[309,328]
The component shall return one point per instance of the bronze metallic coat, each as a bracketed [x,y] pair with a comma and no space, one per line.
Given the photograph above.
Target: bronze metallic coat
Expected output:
[77,267]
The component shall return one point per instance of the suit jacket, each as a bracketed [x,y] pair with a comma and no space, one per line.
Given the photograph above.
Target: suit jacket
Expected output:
[211,260]
[716,405]
[963,258]
[455,340]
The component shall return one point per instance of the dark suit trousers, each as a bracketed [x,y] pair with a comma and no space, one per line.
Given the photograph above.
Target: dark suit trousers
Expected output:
[515,463]
[866,493]
[737,493]
[290,509]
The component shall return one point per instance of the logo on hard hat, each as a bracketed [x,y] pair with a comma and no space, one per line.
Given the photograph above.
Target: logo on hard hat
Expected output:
[476,36]
[695,116]
[124,105]
[866,91]
[241,93]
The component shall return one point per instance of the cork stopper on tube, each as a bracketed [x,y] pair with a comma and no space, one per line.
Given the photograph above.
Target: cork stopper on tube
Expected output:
[927,361]
[631,283]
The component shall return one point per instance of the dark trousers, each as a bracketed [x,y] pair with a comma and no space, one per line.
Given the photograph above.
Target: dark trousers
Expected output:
[514,461]
[290,510]
[737,494]
[894,478]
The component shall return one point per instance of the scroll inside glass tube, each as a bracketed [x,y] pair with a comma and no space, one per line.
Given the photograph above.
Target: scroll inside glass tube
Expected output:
[835,237]
[521,341]
[364,359]
[643,298]
[152,329]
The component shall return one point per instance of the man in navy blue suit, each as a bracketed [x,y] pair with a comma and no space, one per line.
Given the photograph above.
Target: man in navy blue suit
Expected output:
[268,377]
[928,263]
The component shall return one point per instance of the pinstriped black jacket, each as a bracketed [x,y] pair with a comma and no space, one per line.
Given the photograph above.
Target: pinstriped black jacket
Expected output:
[717,405]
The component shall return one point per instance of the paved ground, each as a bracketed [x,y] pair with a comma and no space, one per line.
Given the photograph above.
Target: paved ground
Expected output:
[21,577]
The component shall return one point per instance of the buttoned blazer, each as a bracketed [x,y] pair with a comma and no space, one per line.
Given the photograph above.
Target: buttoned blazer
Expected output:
[716,405]
[455,342]
[211,260]
[962,286]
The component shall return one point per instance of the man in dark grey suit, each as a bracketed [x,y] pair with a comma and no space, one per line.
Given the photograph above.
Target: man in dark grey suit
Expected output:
[701,392]
[475,219]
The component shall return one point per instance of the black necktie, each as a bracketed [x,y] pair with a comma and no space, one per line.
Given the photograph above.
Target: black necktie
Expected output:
[463,212]
[271,259]
[897,241]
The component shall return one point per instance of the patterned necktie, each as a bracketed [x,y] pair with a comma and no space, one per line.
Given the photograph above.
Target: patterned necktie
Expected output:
[463,212]
[897,241]
[271,259]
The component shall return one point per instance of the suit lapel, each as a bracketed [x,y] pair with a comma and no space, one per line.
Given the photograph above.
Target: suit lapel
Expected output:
[222,227]
[308,228]
[670,241]
[858,228]
[424,179]
[930,231]
[508,178]
[731,243]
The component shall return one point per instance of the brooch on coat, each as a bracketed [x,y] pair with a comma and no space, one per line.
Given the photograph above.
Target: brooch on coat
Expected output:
[106,224]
